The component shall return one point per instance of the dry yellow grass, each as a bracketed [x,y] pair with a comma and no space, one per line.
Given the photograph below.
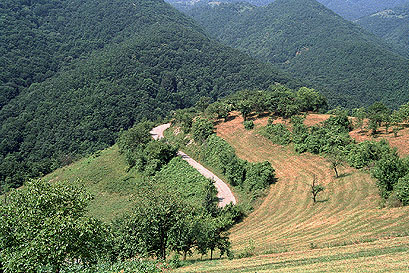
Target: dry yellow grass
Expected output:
[389,255]
[288,221]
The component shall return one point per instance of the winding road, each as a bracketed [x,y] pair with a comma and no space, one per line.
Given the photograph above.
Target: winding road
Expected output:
[224,193]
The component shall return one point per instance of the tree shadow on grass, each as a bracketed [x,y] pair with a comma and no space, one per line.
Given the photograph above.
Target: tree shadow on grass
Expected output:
[323,200]
[342,175]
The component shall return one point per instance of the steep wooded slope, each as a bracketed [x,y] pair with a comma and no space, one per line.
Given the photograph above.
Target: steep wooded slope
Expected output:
[161,61]
[349,9]
[390,24]
[358,8]
[312,42]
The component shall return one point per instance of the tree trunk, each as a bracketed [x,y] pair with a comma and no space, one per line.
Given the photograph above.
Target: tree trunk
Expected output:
[211,254]
[184,255]
[336,172]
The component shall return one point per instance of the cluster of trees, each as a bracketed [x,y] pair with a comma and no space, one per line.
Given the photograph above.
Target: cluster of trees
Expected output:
[159,62]
[380,115]
[163,222]
[44,228]
[277,99]
[142,152]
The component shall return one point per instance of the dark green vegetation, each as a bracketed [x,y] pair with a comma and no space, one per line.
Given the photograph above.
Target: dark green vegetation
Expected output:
[350,10]
[46,227]
[358,8]
[390,24]
[251,179]
[351,66]
[142,59]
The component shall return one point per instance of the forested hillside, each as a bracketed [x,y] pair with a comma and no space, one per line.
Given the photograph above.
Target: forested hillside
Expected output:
[158,60]
[390,24]
[38,38]
[312,42]
[350,10]
[358,8]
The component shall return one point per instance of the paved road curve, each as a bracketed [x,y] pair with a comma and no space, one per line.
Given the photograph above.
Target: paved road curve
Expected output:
[224,193]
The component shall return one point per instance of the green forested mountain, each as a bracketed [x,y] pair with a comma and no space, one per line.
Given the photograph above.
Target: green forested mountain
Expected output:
[390,24]
[354,9]
[307,39]
[145,59]
[37,38]
[349,9]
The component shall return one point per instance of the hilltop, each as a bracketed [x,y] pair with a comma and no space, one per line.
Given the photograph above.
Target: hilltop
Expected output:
[312,42]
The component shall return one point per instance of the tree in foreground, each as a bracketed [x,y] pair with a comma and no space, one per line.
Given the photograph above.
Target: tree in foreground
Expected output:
[162,222]
[43,227]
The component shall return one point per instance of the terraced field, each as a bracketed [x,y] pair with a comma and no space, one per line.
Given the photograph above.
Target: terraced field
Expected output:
[345,231]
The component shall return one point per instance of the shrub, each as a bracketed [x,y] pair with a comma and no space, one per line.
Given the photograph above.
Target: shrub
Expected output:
[278,133]
[401,190]
[388,171]
[248,124]
[258,176]
[202,129]
[364,153]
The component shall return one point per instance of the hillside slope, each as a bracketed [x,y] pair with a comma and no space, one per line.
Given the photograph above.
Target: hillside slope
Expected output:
[312,42]
[311,237]
[161,61]
[355,9]
[390,24]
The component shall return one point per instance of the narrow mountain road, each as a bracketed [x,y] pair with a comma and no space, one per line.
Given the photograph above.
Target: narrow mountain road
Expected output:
[224,193]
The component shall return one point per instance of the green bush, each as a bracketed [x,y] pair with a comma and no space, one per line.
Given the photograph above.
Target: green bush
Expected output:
[202,129]
[219,154]
[367,152]
[250,176]
[248,124]
[278,133]
[258,176]
[401,189]
[388,171]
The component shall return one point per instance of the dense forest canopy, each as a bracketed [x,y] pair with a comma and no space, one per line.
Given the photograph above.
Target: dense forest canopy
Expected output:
[358,8]
[314,43]
[159,61]
[390,24]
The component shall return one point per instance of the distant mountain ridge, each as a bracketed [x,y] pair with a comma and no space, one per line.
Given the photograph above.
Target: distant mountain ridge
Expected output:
[390,24]
[349,9]
[314,43]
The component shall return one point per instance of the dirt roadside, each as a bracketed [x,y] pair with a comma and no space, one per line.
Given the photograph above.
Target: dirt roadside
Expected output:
[224,193]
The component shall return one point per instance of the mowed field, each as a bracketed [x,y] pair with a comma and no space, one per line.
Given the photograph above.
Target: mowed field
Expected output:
[345,231]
